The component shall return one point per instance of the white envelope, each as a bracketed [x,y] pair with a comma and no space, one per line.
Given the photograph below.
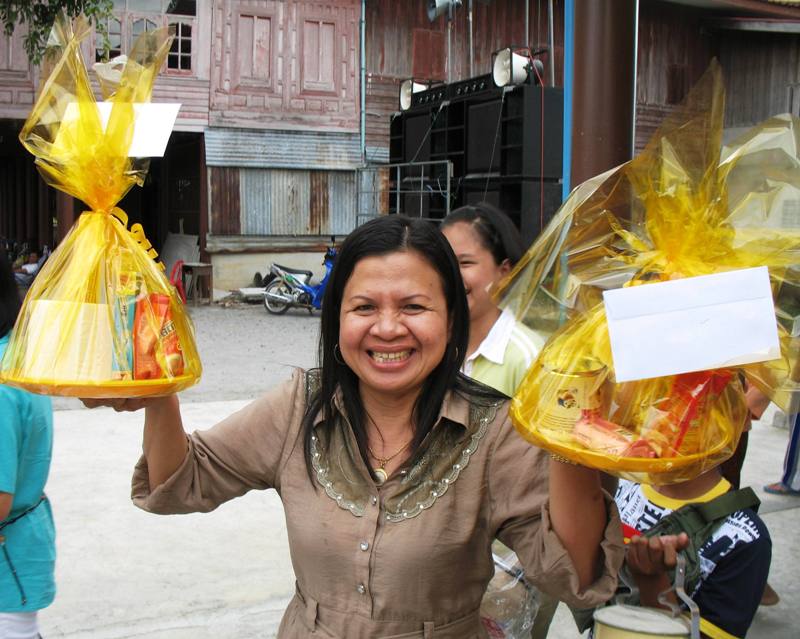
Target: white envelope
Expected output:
[152,125]
[692,324]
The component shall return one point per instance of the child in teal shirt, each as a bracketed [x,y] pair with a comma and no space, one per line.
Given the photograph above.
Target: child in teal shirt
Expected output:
[27,533]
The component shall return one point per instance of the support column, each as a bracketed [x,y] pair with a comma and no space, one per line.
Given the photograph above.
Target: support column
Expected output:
[204,192]
[603,86]
[65,214]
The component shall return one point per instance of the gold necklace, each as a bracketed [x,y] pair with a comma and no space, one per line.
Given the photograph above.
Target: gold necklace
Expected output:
[380,473]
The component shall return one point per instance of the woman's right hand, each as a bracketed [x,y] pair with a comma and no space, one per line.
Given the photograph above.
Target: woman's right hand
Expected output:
[125,404]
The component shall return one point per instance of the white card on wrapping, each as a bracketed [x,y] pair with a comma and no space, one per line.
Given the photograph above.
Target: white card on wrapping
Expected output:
[692,324]
[152,125]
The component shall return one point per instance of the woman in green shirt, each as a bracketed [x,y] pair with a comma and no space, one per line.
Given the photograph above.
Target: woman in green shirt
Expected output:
[487,246]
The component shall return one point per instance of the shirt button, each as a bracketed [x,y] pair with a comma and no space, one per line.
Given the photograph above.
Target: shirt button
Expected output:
[361,588]
[374,500]
[364,545]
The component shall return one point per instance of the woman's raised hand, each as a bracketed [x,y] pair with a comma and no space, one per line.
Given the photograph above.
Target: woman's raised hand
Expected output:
[125,404]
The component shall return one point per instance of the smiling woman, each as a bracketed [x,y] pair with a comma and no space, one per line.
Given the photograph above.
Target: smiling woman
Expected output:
[393,337]
[396,472]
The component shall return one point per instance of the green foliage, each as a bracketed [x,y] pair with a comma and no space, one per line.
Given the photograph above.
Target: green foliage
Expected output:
[39,16]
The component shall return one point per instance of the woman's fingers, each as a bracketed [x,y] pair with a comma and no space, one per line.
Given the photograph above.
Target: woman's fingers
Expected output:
[120,404]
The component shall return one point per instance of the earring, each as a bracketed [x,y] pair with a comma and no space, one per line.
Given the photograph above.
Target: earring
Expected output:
[337,355]
[455,354]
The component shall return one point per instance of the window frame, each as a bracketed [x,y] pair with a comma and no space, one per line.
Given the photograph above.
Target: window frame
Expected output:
[127,17]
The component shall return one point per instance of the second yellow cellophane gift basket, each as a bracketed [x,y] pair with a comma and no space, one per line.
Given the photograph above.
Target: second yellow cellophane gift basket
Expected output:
[100,319]
[686,206]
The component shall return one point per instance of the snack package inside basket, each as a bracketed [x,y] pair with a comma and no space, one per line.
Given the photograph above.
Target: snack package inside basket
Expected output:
[687,206]
[100,319]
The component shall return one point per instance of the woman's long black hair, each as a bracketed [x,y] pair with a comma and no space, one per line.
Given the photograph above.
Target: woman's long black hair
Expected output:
[382,236]
[9,296]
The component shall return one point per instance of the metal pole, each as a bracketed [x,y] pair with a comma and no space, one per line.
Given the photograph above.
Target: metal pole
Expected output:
[363,38]
[569,55]
[550,38]
[421,182]
[449,38]
[471,52]
[527,23]
[635,72]
[397,192]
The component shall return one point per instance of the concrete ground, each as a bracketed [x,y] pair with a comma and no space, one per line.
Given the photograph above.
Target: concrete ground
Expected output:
[124,573]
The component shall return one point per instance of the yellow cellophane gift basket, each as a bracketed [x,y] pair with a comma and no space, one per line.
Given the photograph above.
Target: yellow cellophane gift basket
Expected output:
[100,319]
[686,206]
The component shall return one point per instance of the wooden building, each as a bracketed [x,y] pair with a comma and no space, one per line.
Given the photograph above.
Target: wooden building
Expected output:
[282,106]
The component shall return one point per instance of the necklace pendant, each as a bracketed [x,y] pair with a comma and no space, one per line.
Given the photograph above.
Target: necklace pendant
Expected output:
[380,476]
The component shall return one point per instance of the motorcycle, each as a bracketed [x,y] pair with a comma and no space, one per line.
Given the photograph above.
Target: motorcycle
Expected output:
[290,287]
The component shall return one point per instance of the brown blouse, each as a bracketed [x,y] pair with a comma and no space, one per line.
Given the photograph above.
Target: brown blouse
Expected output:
[408,559]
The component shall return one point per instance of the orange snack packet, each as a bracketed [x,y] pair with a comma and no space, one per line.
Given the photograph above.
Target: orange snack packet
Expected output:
[157,349]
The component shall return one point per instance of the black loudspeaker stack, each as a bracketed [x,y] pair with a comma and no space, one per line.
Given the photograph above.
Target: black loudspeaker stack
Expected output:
[505,147]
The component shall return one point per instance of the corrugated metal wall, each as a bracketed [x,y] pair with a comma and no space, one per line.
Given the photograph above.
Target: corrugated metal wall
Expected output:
[282,149]
[293,202]
[285,182]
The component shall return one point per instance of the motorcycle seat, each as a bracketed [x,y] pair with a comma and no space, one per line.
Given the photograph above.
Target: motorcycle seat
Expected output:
[295,271]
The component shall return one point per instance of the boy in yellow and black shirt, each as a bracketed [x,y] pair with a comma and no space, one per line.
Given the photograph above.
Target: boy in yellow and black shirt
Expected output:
[734,560]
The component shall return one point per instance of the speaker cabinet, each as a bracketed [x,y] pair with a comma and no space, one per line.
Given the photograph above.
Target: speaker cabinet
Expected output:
[505,147]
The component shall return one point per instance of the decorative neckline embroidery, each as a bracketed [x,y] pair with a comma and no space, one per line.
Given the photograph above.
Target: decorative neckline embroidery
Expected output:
[436,466]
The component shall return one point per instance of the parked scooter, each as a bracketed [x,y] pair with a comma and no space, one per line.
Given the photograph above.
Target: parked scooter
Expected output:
[291,287]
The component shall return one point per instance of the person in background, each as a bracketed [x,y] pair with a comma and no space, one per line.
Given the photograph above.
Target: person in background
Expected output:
[395,471]
[27,533]
[501,349]
[789,483]
[487,246]
[26,272]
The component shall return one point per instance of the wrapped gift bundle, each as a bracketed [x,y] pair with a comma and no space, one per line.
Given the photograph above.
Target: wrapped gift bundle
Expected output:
[686,207]
[100,320]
